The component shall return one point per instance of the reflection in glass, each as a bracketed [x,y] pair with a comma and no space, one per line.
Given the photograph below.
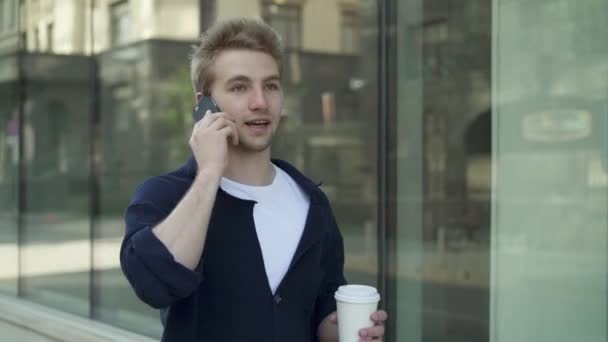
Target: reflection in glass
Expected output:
[286,19]
[501,171]
[443,171]
[56,253]
[350,27]
[550,215]
[108,104]
[9,186]
[120,22]
[145,104]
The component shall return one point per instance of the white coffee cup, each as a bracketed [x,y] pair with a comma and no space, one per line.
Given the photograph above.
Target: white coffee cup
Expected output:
[356,303]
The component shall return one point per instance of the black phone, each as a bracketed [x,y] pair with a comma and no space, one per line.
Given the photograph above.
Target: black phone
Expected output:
[206,103]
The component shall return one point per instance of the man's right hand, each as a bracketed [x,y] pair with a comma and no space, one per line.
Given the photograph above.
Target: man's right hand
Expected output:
[184,230]
[209,141]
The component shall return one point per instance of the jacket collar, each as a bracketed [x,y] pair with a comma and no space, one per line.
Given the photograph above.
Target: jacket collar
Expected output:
[309,187]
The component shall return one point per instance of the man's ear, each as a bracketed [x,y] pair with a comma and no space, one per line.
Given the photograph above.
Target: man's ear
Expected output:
[198,96]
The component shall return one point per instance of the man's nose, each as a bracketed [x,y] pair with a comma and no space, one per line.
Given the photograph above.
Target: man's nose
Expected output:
[258,101]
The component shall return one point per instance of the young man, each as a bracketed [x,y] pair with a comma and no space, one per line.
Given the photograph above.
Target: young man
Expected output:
[235,246]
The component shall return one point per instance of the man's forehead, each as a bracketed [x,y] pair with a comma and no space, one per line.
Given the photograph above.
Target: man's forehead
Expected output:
[245,64]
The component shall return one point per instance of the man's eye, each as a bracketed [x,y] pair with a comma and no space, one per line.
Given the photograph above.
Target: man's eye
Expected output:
[238,88]
[273,86]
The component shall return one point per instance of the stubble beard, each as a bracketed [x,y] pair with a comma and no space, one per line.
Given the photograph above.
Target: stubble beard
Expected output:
[254,147]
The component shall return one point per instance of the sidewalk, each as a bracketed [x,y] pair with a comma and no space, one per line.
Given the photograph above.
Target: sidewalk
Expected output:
[24,321]
[11,332]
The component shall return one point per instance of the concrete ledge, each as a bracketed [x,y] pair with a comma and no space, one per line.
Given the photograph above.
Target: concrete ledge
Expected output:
[49,324]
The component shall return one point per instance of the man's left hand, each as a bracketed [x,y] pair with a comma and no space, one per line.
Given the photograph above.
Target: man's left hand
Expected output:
[374,333]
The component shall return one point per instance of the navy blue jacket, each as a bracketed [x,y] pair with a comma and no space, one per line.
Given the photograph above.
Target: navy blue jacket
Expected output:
[227,297]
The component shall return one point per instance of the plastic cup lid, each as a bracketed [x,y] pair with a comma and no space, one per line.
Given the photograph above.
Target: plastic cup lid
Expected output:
[357,294]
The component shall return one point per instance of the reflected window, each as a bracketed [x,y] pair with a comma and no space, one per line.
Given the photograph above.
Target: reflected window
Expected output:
[122,94]
[23,40]
[208,13]
[120,23]
[350,31]
[49,36]
[36,39]
[287,20]
[434,40]
[7,16]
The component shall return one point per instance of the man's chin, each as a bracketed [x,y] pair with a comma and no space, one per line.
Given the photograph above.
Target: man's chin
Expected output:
[253,147]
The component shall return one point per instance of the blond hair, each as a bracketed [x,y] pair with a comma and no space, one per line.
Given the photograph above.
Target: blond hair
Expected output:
[236,33]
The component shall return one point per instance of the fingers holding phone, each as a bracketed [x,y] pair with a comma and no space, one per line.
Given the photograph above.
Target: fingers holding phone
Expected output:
[210,138]
[224,123]
[219,121]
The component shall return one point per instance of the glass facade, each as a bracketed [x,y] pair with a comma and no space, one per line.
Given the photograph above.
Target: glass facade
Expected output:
[550,193]
[501,202]
[443,161]
[55,216]
[9,175]
[463,146]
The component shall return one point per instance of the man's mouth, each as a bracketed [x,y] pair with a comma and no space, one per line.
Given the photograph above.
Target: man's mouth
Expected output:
[258,123]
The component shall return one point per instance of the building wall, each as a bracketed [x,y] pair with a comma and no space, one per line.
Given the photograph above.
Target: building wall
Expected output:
[175,19]
[321,26]
[163,19]
[234,8]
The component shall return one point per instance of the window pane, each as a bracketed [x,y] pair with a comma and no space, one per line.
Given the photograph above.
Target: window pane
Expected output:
[443,171]
[550,217]
[286,19]
[49,37]
[127,112]
[128,155]
[9,176]
[502,200]
[350,31]
[120,22]
[56,253]
[145,123]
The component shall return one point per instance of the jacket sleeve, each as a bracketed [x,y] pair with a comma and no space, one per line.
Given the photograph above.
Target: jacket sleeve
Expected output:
[155,276]
[333,262]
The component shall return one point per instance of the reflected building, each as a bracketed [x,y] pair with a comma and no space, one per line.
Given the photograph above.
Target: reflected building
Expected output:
[100,91]
[137,52]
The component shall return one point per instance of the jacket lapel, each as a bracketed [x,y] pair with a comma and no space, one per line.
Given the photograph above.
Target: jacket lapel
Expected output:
[313,231]
[315,227]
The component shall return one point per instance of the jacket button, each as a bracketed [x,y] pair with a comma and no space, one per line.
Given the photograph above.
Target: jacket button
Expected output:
[277,299]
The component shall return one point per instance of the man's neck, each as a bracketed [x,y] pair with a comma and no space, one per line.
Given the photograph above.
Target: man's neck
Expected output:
[250,168]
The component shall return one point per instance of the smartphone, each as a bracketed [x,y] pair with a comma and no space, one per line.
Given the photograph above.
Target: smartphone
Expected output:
[206,103]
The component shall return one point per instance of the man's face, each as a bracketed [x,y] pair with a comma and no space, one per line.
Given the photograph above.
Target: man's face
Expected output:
[247,87]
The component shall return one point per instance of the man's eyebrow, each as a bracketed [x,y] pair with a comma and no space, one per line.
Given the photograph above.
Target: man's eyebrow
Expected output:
[272,78]
[243,78]
[236,78]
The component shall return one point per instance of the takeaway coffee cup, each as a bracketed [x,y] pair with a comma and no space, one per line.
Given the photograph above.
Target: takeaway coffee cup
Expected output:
[355,303]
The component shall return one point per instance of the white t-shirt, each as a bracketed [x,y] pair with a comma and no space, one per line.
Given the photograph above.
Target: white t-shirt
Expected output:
[279,216]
